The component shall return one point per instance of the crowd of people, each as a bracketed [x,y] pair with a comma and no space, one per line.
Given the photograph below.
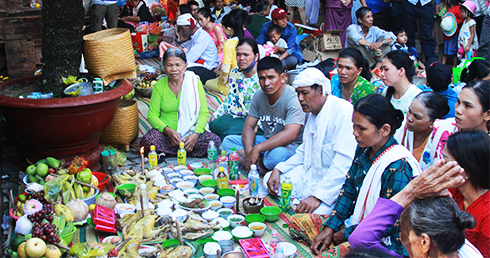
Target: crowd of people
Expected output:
[391,170]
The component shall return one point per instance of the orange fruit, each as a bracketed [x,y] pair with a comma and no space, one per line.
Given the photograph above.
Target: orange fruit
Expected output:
[91,207]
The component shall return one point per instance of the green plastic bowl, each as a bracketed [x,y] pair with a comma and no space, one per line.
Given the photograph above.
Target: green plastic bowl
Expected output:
[68,237]
[203,241]
[226,192]
[213,183]
[202,171]
[113,194]
[170,243]
[251,218]
[271,213]
[129,187]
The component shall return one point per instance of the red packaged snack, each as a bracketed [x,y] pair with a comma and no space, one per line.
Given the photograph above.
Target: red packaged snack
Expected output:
[254,248]
[104,216]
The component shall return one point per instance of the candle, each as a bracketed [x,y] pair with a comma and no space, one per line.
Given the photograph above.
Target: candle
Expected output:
[142,151]
[179,234]
[237,204]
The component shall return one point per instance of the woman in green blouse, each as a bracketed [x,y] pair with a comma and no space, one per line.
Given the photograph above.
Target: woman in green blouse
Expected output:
[178,110]
[354,76]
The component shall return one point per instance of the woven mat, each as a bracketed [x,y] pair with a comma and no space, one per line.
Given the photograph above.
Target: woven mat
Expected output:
[213,99]
[154,61]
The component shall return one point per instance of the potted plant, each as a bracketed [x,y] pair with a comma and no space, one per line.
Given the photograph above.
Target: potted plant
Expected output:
[61,127]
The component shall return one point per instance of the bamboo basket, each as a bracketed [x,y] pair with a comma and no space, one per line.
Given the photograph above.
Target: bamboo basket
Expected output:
[124,127]
[109,54]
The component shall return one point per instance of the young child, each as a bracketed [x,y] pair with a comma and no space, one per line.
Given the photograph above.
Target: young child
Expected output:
[400,44]
[450,35]
[468,40]
[280,45]
[439,77]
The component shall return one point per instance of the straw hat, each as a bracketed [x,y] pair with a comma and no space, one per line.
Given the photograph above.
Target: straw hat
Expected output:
[449,25]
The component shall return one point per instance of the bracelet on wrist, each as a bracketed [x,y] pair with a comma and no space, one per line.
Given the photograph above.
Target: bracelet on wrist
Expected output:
[198,133]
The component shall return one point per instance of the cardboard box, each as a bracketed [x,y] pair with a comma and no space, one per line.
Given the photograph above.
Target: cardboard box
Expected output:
[309,55]
[310,42]
[329,54]
[330,40]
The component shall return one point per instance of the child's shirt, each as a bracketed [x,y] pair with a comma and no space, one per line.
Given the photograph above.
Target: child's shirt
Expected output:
[282,43]
[465,35]
[414,55]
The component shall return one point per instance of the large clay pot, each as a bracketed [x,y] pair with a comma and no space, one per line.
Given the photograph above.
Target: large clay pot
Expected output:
[64,127]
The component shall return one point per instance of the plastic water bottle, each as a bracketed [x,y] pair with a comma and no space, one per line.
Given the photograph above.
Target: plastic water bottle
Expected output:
[153,157]
[222,179]
[274,241]
[223,162]
[286,189]
[212,155]
[144,196]
[279,253]
[233,164]
[181,155]
[253,181]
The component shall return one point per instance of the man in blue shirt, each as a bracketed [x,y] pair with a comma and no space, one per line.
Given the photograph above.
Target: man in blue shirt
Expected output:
[288,33]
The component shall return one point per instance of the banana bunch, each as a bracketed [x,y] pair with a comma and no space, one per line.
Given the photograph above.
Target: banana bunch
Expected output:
[78,191]
[19,209]
[147,84]
[63,211]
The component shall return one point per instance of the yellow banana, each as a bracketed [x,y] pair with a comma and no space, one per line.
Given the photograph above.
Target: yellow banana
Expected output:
[72,195]
[95,181]
[61,209]
[91,192]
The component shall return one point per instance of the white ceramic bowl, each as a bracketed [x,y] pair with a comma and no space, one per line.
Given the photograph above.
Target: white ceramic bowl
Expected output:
[195,196]
[236,220]
[179,214]
[216,205]
[223,222]
[167,189]
[222,235]
[167,170]
[185,185]
[242,232]
[196,165]
[186,172]
[165,204]
[174,181]
[190,191]
[228,201]
[192,179]
[210,215]
[124,207]
[206,190]
[174,175]
[289,249]
[222,212]
[179,168]
[255,227]
[163,212]
[204,177]
[211,197]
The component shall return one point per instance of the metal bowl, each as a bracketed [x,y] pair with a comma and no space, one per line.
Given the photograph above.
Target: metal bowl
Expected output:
[86,88]
[144,92]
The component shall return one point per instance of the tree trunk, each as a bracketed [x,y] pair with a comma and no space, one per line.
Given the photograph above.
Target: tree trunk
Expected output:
[62,42]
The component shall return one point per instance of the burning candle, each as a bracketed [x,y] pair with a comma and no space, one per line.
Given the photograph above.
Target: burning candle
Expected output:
[142,151]
[179,234]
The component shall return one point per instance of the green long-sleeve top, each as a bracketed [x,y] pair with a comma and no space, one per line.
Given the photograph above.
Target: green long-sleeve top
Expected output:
[164,107]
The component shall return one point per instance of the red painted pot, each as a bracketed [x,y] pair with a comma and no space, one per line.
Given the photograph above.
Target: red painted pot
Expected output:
[62,128]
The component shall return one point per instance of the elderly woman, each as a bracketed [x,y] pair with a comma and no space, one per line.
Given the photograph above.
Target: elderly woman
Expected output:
[354,75]
[417,126]
[397,72]
[432,227]
[471,149]
[472,112]
[381,168]
[373,42]
[230,116]
[178,110]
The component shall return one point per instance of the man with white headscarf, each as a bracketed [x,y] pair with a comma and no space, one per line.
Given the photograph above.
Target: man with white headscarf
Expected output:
[318,168]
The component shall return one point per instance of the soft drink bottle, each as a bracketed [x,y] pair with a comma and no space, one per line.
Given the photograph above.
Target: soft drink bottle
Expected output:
[286,189]
[233,164]
[274,241]
[223,162]
[212,155]
[222,179]
[153,157]
[181,155]
[253,181]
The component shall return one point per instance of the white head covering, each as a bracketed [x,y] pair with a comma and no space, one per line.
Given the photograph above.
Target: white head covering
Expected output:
[185,19]
[310,76]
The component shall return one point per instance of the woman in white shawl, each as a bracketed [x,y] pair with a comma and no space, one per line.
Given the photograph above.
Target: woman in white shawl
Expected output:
[418,123]
[472,112]
[178,110]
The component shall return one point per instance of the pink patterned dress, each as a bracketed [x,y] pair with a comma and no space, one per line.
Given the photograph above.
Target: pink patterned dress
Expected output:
[219,38]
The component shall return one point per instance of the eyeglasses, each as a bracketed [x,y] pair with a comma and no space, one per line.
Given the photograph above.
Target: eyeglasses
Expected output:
[195,9]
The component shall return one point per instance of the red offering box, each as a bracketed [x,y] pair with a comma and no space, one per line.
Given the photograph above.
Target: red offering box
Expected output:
[103,216]
[254,248]
[105,228]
